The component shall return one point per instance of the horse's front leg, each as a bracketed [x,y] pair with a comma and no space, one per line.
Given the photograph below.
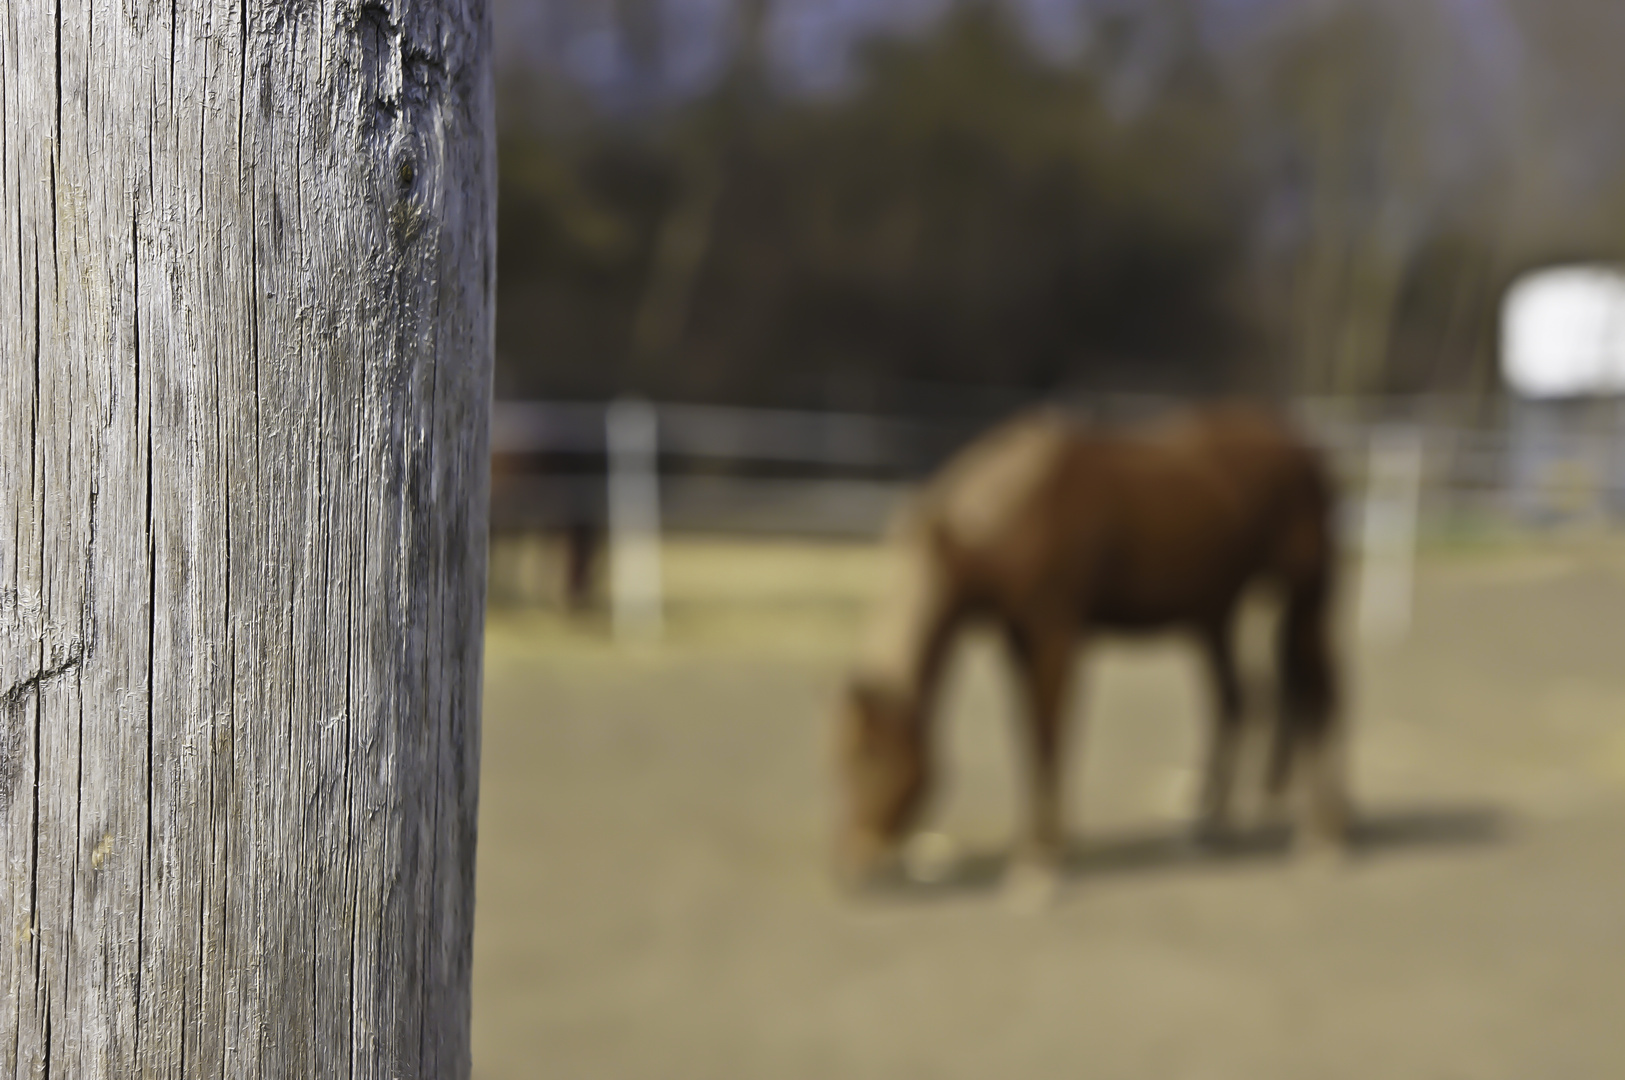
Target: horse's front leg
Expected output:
[1043,653]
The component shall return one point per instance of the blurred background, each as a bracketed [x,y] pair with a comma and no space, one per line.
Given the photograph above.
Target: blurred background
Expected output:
[763,264]
[882,204]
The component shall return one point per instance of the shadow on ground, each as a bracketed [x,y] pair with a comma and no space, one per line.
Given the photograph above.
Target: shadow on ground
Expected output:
[1375,835]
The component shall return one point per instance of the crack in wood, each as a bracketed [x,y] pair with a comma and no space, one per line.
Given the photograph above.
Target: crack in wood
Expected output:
[14,695]
[11,710]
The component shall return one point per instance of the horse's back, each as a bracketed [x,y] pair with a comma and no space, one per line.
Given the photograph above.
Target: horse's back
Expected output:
[1154,521]
[1204,502]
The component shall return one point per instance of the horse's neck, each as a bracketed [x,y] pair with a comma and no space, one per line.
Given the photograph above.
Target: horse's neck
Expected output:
[910,632]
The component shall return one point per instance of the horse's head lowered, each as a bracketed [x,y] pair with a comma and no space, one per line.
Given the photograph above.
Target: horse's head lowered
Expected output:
[886,773]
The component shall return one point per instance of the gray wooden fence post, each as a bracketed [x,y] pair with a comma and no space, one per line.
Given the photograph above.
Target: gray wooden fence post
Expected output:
[246,277]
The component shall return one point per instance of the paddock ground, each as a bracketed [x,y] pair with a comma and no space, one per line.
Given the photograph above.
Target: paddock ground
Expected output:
[652,900]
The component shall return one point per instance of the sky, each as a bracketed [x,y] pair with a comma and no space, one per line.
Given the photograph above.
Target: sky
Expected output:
[811,41]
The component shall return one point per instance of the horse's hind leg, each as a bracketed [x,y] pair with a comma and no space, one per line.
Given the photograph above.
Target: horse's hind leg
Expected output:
[1218,782]
[1310,719]
[1283,742]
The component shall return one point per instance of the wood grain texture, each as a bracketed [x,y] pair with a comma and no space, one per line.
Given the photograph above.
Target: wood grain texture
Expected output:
[246,288]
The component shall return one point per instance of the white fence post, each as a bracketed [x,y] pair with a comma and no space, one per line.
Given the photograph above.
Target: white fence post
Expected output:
[631,429]
[1388,531]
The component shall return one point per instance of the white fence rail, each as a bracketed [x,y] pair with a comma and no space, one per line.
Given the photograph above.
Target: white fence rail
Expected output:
[643,469]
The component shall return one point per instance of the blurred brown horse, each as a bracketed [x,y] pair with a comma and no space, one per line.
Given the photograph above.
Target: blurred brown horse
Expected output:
[1049,530]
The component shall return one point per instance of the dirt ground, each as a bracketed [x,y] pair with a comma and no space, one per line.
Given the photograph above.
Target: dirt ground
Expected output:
[653,903]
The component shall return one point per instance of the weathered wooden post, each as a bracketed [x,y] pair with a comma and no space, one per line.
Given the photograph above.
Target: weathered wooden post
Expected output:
[246,280]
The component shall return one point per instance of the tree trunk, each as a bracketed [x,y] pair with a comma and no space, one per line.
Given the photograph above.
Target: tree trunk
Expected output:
[246,269]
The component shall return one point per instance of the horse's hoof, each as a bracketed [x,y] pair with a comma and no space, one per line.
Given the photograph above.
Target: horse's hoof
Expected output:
[931,858]
[1030,887]
[1276,813]
[1320,853]
[857,881]
[1325,835]
[1209,837]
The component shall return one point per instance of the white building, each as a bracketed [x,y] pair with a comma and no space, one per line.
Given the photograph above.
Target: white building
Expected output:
[1563,356]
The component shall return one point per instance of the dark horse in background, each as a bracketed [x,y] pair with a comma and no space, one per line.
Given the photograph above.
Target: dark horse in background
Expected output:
[572,516]
[1050,530]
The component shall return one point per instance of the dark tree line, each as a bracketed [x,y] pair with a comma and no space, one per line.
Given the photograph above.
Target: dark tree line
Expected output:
[964,215]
